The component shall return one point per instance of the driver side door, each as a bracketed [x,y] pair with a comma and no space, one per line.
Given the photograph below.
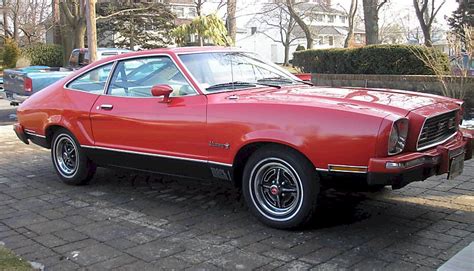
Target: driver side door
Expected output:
[134,129]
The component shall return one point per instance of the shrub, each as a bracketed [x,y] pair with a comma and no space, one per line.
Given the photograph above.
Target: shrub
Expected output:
[44,55]
[300,48]
[11,52]
[374,59]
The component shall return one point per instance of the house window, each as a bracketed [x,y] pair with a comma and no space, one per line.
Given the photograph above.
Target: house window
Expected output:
[320,40]
[192,12]
[319,17]
[179,11]
[343,19]
[331,18]
[331,40]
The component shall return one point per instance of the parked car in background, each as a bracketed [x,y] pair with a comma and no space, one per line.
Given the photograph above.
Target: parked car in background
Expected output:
[225,114]
[23,82]
[80,57]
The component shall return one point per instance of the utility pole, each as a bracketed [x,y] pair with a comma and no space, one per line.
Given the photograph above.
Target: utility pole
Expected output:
[91,30]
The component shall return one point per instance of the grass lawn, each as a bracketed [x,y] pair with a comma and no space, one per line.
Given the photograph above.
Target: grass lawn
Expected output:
[9,261]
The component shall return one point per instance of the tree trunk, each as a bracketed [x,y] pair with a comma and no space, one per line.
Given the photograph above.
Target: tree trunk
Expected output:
[91,30]
[79,34]
[199,7]
[371,19]
[231,20]
[132,33]
[286,60]
[6,32]
[422,15]
[16,29]
[351,19]
[301,23]
[56,23]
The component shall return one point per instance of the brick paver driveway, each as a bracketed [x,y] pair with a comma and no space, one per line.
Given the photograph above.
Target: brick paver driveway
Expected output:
[136,222]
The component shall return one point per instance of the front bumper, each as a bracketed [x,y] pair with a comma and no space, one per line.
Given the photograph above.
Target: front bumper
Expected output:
[403,169]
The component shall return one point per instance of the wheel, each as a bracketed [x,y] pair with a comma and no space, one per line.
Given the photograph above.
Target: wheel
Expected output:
[70,162]
[280,187]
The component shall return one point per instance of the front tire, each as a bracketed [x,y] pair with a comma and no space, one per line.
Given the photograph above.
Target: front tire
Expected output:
[69,160]
[280,187]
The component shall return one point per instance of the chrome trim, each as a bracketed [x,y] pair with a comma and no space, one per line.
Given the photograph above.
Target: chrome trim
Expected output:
[156,155]
[408,132]
[436,143]
[109,78]
[33,133]
[127,58]
[322,169]
[345,171]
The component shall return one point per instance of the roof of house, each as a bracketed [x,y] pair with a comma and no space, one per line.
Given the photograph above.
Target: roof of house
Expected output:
[317,8]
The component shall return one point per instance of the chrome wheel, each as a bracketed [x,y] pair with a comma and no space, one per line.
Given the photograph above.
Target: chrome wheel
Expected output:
[66,157]
[276,189]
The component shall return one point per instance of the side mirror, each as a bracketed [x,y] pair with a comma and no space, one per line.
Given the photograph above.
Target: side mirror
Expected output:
[162,90]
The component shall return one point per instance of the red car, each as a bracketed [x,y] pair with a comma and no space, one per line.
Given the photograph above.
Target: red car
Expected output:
[225,114]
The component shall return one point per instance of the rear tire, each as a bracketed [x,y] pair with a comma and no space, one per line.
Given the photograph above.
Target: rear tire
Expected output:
[69,160]
[280,187]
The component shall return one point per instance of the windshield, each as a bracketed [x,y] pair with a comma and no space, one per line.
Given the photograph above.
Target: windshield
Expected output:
[226,71]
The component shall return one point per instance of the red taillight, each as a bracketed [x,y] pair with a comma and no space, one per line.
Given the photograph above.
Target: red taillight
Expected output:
[28,84]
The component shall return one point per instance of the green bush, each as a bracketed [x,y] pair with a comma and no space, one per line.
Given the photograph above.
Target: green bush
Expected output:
[300,48]
[11,52]
[374,59]
[44,55]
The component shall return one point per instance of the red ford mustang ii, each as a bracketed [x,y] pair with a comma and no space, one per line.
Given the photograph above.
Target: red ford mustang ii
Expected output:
[225,114]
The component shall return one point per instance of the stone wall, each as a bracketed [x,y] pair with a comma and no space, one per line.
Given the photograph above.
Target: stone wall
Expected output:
[421,83]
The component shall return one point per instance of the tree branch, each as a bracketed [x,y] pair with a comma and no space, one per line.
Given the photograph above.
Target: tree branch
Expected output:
[122,11]
[67,12]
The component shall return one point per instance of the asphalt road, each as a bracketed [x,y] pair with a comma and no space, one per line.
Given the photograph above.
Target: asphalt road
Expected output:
[7,112]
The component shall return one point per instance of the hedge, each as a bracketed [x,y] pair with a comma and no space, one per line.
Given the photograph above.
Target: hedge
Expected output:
[373,59]
[44,55]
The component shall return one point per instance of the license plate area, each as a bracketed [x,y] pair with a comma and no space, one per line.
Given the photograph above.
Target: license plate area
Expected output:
[456,166]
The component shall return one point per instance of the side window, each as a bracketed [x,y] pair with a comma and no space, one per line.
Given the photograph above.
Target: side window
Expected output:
[92,81]
[136,77]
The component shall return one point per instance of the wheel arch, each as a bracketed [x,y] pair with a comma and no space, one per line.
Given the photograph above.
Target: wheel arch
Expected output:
[246,150]
[49,132]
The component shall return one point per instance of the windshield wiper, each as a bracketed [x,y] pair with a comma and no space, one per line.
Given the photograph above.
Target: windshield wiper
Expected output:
[240,84]
[285,80]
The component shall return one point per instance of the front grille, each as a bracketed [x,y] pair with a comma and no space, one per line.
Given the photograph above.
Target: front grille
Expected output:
[437,129]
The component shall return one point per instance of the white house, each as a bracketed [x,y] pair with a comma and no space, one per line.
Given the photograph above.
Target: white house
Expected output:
[329,27]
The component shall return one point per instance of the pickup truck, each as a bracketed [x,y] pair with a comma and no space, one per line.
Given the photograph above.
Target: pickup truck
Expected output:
[21,83]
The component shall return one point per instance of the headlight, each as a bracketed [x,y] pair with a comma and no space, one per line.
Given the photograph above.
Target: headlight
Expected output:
[398,137]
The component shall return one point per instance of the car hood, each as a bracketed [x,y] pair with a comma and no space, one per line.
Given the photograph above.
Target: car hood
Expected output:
[374,100]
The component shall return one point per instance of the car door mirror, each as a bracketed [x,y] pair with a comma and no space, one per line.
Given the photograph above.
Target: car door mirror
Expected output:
[162,90]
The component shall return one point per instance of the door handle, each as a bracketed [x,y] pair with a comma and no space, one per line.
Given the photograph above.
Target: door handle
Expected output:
[106,106]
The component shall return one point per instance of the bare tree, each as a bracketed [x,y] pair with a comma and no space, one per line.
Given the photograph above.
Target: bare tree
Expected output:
[74,13]
[56,22]
[351,18]
[426,11]
[290,4]
[371,19]
[231,19]
[6,31]
[24,20]
[277,16]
